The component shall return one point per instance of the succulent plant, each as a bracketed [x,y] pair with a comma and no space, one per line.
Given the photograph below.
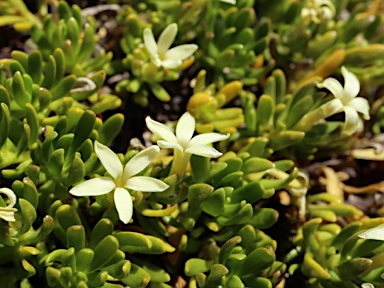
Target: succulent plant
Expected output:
[206,105]
[230,47]
[337,256]
[77,40]
[19,239]
[267,117]
[17,14]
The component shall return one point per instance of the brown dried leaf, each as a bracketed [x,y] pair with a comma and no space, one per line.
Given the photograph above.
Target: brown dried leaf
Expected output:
[368,154]
[333,185]
[372,188]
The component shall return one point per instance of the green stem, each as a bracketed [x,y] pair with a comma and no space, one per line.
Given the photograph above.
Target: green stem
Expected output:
[180,162]
[149,72]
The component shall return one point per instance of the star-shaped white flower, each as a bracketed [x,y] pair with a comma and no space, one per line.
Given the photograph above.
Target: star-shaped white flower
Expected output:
[160,53]
[346,99]
[183,143]
[121,178]
[8,213]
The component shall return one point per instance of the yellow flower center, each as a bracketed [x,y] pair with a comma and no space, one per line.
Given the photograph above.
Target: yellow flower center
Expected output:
[119,181]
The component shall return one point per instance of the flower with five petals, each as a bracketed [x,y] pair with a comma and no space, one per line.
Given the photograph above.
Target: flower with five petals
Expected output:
[346,100]
[183,143]
[160,53]
[121,178]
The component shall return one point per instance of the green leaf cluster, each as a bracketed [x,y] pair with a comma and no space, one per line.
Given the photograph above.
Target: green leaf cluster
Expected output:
[335,255]
[77,40]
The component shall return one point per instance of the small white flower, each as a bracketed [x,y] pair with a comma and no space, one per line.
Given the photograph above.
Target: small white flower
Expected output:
[318,10]
[183,140]
[346,99]
[161,54]
[8,213]
[183,143]
[121,178]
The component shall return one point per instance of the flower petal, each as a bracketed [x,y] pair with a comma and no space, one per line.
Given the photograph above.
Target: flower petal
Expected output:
[351,121]
[207,138]
[8,214]
[375,233]
[185,129]
[203,150]
[140,161]
[233,2]
[328,12]
[94,187]
[360,105]
[166,38]
[169,145]
[170,64]
[181,52]
[149,41]
[156,60]
[351,84]
[331,107]
[11,196]
[333,86]
[160,130]
[109,160]
[124,205]
[145,184]
[83,84]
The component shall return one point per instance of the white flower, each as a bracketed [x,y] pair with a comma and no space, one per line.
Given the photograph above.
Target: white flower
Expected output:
[346,99]
[161,54]
[318,10]
[8,213]
[121,178]
[183,143]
